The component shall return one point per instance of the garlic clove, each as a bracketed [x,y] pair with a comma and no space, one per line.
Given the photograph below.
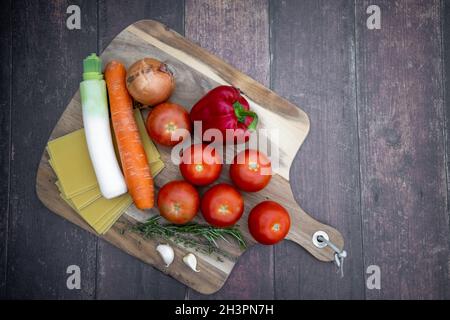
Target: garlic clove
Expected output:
[166,252]
[191,261]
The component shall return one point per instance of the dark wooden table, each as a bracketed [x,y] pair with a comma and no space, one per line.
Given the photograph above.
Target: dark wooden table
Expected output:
[375,164]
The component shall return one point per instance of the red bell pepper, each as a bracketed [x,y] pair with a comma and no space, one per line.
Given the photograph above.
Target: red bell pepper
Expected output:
[224,108]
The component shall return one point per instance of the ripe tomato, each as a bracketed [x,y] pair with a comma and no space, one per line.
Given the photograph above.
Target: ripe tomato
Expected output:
[251,170]
[178,202]
[269,222]
[164,120]
[200,165]
[222,205]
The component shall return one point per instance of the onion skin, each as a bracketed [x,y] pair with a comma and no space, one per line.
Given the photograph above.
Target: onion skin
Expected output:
[150,82]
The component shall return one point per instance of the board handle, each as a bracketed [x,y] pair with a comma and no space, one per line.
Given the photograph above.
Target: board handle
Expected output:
[304,228]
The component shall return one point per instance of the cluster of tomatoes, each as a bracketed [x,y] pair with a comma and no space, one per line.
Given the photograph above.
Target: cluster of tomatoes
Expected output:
[221,205]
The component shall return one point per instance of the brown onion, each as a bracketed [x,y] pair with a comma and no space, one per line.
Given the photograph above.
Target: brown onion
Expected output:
[150,81]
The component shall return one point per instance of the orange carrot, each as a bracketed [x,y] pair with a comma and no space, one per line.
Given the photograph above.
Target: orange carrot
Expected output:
[135,167]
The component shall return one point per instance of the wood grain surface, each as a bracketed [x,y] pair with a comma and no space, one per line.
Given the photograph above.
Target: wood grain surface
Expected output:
[43,81]
[403,170]
[445,17]
[313,66]
[5,136]
[401,176]
[214,26]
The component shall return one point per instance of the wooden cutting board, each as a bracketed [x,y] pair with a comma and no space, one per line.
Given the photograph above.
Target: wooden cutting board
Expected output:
[196,72]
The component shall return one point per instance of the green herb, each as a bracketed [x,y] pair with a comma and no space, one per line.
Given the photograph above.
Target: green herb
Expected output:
[193,235]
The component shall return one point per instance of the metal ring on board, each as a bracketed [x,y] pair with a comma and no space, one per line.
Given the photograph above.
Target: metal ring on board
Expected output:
[315,239]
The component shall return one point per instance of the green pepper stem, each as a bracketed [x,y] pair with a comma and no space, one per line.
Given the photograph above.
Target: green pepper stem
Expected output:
[241,113]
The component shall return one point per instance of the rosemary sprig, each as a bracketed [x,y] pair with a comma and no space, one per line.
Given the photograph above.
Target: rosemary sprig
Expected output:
[193,235]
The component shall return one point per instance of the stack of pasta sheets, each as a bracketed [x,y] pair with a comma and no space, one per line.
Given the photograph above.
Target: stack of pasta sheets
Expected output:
[77,184]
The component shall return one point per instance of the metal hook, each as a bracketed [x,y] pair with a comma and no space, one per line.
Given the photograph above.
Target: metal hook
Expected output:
[321,240]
